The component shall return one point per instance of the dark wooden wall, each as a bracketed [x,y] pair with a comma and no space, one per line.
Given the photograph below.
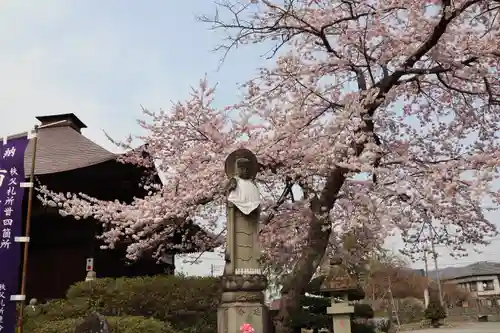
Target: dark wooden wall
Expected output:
[58,253]
[60,245]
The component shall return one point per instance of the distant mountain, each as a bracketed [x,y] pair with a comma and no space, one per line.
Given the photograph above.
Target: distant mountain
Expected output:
[475,269]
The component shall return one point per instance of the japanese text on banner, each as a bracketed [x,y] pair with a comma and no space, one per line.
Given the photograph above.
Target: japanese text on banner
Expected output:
[7,207]
[11,203]
[3,292]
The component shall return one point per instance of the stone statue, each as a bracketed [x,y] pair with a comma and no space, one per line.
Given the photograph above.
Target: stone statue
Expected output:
[243,207]
[33,309]
[242,299]
[94,323]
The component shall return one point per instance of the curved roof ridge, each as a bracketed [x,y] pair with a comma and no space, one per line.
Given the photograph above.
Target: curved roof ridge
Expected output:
[62,149]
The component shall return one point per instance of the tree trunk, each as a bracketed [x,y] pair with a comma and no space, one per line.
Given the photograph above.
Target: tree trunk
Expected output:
[390,315]
[289,303]
[317,242]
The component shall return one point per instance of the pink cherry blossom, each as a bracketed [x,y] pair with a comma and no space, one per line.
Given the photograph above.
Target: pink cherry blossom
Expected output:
[375,117]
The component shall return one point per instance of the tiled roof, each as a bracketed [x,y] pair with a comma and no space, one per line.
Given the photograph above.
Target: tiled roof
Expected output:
[61,146]
[480,268]
[62,149]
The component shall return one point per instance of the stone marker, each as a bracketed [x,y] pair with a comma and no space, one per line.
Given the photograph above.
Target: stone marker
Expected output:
[243,282]
[341,288]
[94,323]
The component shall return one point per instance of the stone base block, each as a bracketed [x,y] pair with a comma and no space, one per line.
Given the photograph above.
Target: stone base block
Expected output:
[342,323]
[230,316]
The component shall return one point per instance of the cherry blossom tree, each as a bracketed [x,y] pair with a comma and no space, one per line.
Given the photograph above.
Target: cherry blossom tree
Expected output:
[394,272]
[375,116]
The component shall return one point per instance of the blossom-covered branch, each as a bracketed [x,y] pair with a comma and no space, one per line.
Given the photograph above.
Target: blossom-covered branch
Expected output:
[376,116]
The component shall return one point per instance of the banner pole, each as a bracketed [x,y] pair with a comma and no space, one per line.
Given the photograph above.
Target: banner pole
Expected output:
[27,232]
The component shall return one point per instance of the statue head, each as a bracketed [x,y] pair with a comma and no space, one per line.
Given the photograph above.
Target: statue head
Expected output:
[243,168]
[33,301]
[241,163]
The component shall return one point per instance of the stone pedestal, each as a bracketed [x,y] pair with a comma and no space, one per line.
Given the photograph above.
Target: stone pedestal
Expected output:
[341,313]
[243,302]
[231,316]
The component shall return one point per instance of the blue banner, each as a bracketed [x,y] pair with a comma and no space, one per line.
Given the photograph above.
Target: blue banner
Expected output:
[11,214]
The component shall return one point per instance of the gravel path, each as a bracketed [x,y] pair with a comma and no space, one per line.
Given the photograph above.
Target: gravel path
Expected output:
[466,328]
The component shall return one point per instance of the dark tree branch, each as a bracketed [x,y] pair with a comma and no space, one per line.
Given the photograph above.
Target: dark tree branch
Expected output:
[286,193]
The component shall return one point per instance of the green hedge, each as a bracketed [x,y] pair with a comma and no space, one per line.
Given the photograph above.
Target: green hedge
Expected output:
[117,325]
[188,303]
[60,309]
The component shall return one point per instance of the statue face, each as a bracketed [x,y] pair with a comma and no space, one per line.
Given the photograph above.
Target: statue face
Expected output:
[243,166]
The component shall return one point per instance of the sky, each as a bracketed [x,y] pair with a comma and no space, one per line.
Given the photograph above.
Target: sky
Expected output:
[102,60]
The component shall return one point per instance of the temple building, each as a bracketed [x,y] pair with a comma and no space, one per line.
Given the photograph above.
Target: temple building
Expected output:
[67,161]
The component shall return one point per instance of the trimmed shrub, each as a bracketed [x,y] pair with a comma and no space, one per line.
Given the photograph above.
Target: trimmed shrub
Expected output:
[361,323]
[59,309]
[435,311]
[410,310]
[362,327]
[382,325]
[129,324]
[188,303]
[311,314]
[364,311]
[41,325]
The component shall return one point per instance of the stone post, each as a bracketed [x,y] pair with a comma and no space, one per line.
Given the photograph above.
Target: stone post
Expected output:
[341,313]
[242,302]
[91,276]
[338,283]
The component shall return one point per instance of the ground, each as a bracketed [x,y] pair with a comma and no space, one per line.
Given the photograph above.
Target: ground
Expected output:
[466,328]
